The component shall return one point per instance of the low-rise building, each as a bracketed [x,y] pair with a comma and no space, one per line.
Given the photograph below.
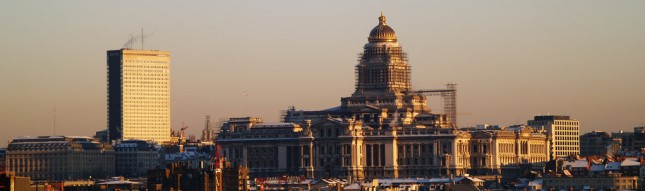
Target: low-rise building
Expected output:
[639,138]
[3,159]
[60,158]
[181,176]
[119,183]
[194,159]
[510,152]
[592,173]
[10,182]
[135,157]
[631,141]
[626,139]
[631,166]
[605,182]
[563,132]
[235,178]
[596,143]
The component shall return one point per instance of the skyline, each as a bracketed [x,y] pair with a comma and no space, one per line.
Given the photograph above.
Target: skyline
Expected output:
[500,54]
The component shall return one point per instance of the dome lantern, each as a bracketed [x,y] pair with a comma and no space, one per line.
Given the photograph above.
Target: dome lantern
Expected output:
[382,32]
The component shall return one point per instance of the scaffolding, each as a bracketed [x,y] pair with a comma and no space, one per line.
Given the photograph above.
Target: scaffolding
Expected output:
[382,68]
[449,97]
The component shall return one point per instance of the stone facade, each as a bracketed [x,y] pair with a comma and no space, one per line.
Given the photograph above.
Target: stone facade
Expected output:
[60,158]
[383,130]
[509,152]
[339,147]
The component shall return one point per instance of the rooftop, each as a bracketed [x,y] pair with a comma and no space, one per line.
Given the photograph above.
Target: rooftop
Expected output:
[551,117]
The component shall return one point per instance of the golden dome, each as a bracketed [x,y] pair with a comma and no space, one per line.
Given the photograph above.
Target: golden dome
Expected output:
[382,32]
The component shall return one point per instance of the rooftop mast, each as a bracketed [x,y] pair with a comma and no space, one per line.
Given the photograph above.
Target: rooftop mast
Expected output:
[142,37]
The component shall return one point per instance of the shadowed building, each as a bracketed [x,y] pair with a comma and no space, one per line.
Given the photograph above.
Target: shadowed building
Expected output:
[60,158]
[138,95]
[3,159]
[135,157]
[598,143]
[181,176]
[631,141]
[626,140]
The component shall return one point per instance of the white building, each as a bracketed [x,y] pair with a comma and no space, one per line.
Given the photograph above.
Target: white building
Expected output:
[138,95]
[563,132]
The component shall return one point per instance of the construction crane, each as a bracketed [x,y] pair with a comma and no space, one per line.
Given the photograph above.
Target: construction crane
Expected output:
[182,139]
[449,96]
[183,129]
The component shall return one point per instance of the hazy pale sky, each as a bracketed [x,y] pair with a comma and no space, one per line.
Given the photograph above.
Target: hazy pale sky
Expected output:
[512,59]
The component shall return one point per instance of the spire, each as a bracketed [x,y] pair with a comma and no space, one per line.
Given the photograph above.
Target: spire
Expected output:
[381,19]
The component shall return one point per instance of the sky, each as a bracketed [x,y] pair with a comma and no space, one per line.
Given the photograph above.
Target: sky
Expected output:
[512,59]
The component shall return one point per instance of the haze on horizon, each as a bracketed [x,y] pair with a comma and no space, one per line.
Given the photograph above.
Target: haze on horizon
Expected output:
[511,59]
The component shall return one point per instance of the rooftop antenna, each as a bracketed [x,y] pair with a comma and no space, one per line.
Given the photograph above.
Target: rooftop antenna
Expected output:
[54,121]
[142,37]
[133,39]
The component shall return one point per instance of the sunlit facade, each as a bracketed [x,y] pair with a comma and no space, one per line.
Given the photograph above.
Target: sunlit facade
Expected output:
[383,130]
[563,132]
[139,95]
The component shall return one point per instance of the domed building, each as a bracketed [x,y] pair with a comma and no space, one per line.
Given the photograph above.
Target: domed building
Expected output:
[383,130]
[383,96]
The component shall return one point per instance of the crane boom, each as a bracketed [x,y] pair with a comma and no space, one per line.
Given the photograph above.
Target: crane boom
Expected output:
[449,96]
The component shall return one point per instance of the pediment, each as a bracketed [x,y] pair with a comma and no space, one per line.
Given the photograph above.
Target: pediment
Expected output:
[329,122]
[369,109]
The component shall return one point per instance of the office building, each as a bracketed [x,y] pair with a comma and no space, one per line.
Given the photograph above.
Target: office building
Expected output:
[638,139]
[138,95]
[626,140]
[598,143]
[60,158]
[563,132]
[135,157]
[631,141]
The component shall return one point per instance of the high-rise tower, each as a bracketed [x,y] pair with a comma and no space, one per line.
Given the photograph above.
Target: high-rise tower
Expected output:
[138,95]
